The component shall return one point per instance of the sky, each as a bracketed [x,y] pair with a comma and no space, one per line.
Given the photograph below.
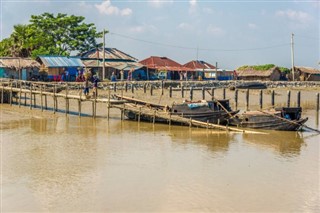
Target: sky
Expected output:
[229,33]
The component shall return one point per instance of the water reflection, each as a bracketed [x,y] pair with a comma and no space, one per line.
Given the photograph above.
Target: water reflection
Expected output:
[215,141]
[285,143]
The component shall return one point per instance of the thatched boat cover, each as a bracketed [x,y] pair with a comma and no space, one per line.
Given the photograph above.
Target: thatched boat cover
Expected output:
[252,72]
[18,63]
[309,70]
[110,54]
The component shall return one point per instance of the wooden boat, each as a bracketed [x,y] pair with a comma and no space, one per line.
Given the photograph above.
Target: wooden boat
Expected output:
[216,112]
[284,118]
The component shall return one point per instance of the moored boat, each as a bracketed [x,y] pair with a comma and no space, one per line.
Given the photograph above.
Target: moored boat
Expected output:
[284,118]
[215,112]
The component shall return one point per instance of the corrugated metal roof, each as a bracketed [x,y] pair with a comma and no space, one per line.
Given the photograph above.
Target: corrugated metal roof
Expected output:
[163,63]
[110,53]
[61,61]
[198,65]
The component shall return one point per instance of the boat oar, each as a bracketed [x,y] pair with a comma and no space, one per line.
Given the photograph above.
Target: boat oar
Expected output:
[289,121]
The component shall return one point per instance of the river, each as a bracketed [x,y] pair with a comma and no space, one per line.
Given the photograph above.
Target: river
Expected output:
[58,163]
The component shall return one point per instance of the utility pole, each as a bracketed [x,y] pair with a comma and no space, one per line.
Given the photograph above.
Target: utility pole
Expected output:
[104,56]
[292,56]
[216,71]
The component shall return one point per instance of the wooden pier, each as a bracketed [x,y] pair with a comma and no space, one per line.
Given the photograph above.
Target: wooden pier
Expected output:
[36,94]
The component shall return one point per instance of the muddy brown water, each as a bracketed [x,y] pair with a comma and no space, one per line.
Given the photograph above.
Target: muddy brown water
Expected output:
[57,163]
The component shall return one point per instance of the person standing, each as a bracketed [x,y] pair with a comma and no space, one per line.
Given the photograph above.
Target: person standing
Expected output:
[95,86]
[86,87]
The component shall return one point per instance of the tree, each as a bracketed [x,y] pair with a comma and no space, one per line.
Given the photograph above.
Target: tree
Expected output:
[50,34]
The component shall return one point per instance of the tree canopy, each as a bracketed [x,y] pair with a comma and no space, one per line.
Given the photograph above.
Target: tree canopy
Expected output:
[50,34]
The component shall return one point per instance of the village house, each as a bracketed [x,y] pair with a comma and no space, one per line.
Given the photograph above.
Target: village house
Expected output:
[166,68]
[307,73]
[250,73]
[60,68]
[115,61]
[19,68]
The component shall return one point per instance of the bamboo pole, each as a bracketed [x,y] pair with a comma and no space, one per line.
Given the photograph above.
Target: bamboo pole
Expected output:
[203,93]
[272,98]
[247,99]
[182,91]
[54,99]
[2,94]
[261,99]
[224,93]
[20,94]
[10,95]
[288,98]
[298,99]
[41,97]
[236,99]
[30,95]
[109,93]
[212,93]
[318,97]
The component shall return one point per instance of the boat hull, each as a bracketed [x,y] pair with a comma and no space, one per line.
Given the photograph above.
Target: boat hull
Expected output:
[268,122]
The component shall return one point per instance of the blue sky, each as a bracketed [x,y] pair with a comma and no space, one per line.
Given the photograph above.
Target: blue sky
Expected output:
[232,33]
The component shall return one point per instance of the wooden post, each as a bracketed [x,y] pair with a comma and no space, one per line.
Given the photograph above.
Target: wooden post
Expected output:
[10,95]
[203,93]
[41,97]
[318,97]
[115,87]
[45,102]
[154,116]
[212,93]
[20,94]
[126,87]
[298,99]
[272,98]
[288,98]
[54,99]
[182,91]
[224,93]
[34,100]
[122,112]
[191,93]
[170,91]
[261,99]
[109,94]
[144,88]
[236,99]
[170,119]
[67,99]
[190,123]
[139,114]
[162,87]
[79,107]
[30,95]
[25,95]
[132,88]
[2,93]
[247,99]
[151,90]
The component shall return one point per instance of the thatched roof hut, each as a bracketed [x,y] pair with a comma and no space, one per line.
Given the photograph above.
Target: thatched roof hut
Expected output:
[308,73]
[18,68]
[18,63]
[252,73]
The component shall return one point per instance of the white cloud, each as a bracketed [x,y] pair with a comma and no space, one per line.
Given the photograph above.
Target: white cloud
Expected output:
[215,30]
[193,2]
[185,26]
[159,3]
[297,16]
[107,8]
[252,26]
